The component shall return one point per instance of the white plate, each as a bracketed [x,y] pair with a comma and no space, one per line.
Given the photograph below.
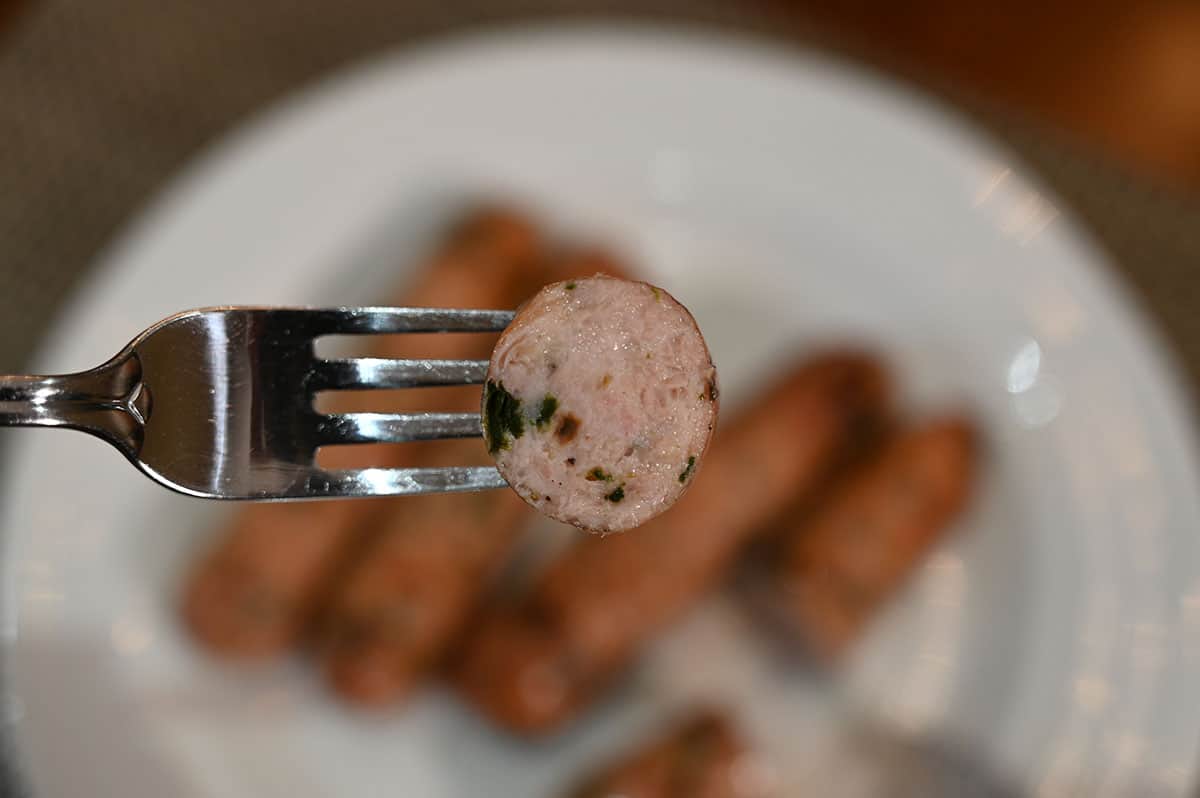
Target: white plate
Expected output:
[788,201]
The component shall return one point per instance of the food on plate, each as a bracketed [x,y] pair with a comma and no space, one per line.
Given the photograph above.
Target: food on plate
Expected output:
[254,592]
[702,756]
[835,569]
[406,597]
[600,401]
[599,407]
[532,666]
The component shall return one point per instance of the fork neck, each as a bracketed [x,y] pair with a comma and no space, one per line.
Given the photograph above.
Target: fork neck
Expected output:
[107,401]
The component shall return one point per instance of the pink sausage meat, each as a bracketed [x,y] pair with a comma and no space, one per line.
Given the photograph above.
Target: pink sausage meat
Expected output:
[600,400]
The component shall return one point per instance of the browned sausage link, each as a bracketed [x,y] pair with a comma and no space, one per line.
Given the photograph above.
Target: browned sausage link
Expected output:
[408,595]
[702,757]
[252,594]
[597,605]
[835,570]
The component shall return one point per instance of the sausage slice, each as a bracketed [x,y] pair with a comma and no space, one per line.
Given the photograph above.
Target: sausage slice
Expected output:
[600,401]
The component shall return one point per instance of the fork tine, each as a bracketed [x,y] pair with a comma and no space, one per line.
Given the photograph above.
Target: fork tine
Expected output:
[396,427]
[361,321]
[379,373]
[400,481]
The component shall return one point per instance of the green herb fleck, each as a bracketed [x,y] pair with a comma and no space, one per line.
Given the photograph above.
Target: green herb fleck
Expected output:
[549,407]
[617,494]
[570,286]
[687,472]
[657,294]
[598,474]
[502,421]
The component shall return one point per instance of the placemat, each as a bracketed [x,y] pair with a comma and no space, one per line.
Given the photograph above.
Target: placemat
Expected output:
[100,102]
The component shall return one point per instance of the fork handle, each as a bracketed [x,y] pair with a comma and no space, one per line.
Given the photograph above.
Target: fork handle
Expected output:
[107,401]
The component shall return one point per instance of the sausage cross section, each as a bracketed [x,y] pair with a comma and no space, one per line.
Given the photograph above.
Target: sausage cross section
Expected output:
[600,401]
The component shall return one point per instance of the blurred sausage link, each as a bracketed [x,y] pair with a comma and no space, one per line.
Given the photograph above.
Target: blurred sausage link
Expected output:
[834,571]
[253,594]
[532,666]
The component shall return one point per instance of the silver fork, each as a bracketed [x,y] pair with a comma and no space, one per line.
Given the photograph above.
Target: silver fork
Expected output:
[217,402]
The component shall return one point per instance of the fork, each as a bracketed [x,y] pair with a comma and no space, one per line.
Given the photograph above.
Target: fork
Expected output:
[218,402]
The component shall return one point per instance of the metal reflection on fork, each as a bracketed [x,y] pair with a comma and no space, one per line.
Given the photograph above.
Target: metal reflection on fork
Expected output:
[218,402]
